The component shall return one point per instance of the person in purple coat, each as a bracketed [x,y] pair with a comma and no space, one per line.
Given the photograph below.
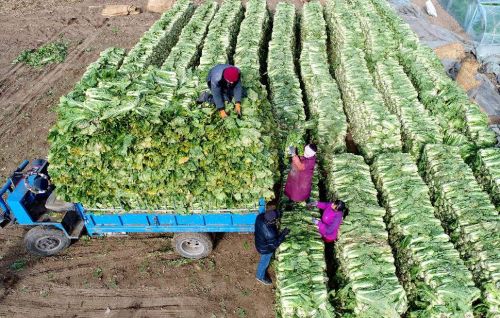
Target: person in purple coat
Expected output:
[299,180]
[329,224]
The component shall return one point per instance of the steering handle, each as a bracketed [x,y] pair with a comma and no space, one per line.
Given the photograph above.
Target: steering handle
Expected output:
[30,187]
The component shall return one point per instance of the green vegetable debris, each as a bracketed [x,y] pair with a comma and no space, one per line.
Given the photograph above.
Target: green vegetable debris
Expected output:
[49,53]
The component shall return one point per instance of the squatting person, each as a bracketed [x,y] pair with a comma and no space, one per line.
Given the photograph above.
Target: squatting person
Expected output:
[224,82]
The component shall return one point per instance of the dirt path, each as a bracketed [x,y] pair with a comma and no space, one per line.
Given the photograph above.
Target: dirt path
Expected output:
[27,95]
[111,277]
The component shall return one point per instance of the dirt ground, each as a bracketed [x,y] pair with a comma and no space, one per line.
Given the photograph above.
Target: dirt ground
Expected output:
[28,95]
[137,276]
[443,19]
[111,277]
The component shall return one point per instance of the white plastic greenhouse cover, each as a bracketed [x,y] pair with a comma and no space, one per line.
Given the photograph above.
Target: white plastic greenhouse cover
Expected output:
[481,19]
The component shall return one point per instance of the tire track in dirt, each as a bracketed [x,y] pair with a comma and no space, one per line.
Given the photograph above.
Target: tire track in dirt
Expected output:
[69,29]
[144,302]
[18,100]
[88,253]
[53,277]
[136,276]
[13,72]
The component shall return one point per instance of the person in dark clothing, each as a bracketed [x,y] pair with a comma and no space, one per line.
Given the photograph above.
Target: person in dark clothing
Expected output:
[267,240]
[224,82]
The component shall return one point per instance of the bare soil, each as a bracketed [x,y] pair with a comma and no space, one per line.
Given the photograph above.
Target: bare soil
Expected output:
[466,77]
[443,19]
[452,51]
[28,95]
[138,276]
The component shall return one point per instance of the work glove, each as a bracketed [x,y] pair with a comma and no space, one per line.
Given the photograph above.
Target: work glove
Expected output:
[292,150]
[222,113]
[285,232]
[315,221]
[237,109]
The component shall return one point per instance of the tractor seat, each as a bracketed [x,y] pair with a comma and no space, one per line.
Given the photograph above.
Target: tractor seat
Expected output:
[53,204]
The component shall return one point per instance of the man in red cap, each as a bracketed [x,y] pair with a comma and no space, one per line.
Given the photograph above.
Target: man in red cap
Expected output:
[224,82]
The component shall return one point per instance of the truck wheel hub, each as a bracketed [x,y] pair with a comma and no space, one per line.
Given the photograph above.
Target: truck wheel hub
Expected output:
[48,243]
[192,246]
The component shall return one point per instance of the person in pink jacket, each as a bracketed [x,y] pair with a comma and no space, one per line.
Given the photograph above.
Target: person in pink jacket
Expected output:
[333,214]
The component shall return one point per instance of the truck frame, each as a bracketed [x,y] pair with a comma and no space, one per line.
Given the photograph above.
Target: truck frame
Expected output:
[24,204]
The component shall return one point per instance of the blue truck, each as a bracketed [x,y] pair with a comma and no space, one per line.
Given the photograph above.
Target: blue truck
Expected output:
[29,199]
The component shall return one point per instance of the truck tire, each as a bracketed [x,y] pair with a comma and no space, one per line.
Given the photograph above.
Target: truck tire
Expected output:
[45,241]
[193,245]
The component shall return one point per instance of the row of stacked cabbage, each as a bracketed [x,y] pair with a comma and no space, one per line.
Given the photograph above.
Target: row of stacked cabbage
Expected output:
[421,239]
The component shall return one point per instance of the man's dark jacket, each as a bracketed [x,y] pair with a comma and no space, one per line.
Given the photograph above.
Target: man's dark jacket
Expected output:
[220,89]
[267,237]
